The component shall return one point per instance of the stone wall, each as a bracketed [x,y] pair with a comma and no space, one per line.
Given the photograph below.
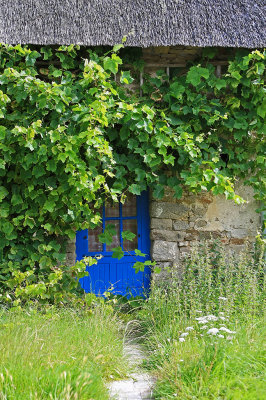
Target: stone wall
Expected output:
[177,224]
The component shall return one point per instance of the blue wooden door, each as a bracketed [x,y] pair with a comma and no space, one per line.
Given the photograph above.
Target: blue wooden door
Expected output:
[110,272]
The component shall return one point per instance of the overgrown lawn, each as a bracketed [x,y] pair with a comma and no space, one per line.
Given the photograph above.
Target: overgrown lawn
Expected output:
[60,354]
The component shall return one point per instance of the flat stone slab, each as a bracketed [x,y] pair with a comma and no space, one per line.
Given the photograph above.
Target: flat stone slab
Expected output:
[139,385]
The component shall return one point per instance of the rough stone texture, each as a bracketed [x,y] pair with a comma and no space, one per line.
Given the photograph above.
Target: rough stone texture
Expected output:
[164,251]
[200,217]
[71,252]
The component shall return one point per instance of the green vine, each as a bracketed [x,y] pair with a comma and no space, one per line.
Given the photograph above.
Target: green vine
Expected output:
[72,136]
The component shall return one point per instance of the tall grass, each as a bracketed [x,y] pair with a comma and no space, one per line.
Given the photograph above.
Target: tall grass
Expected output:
[59,355]
[204,329]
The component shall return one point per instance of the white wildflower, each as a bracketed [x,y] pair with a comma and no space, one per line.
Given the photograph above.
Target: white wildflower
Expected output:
[198,311]
[189,328]
[221,312]
[229,338]
[204,327]
[181,360]
[212,318]
[221,336]
[222,298]
[184,334]
[213,331]
[224,329]
[181,339]
[222,318]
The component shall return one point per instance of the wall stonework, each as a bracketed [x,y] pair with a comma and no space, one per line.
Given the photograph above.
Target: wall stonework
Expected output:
[177,224]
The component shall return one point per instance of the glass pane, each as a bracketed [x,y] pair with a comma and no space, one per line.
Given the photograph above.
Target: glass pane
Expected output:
[129,209]
[111,209]
[116,237]
[94,243]
[130,225]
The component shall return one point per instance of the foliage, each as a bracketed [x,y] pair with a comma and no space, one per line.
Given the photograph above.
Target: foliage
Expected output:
[204,329]
[59,354]
[71,136]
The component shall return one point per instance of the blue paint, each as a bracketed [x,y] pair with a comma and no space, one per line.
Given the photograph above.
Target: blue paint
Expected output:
[119,274]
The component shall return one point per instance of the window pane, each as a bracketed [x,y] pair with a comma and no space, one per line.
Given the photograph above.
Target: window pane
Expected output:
[130,225]
[94,243]
[111,209]
[116,237]
[129,209]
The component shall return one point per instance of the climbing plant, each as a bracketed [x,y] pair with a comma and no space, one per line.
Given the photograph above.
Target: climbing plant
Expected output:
[72,134]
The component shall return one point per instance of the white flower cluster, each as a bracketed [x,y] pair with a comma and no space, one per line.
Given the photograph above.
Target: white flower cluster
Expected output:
[206,322]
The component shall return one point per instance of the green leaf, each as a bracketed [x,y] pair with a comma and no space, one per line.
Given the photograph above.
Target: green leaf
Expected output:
[117,47]
[57,72]
[139,253]
[158,192]
[127,235]
[118,253]
[177,90]
[3,192]
[110,65]
[135,189]
[195,74]
[220,83]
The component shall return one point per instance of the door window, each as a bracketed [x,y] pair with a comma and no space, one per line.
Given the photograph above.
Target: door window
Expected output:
[123,217]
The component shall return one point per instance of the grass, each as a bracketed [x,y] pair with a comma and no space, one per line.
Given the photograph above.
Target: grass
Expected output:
[59,355]
[205,330]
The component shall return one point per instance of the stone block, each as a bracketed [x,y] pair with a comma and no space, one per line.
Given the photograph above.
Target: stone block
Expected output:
[201,223]
[165,273]
[169,210]
[180,225]
[164,251]
[161,223]
[168,236]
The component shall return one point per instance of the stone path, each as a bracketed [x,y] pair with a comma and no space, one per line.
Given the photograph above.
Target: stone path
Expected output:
[139,385]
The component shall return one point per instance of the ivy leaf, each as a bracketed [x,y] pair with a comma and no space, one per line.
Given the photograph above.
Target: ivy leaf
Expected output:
[139,253]
[111,64]
[177,90]
[127,235]
[118,253]
[3,192]
[220,83]
[139,266]
[158,191]
[135,189]
[117,47]
[108,234]
[261,110]
[195,74]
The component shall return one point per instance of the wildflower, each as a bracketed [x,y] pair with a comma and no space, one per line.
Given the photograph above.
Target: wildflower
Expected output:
[204,327]
[229,338]
[224,329]
[181,360]
[212,318]
[221,336]
[189,328]
[213,331]
[181,339]
[222,298]
[222,318]
[184,334]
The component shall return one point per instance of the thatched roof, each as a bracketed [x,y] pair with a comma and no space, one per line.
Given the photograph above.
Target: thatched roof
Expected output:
[234,23]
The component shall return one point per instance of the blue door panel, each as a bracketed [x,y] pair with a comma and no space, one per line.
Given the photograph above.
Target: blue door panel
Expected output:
[114,274]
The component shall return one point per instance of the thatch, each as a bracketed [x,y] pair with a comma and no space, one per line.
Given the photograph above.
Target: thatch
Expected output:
[233,23]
